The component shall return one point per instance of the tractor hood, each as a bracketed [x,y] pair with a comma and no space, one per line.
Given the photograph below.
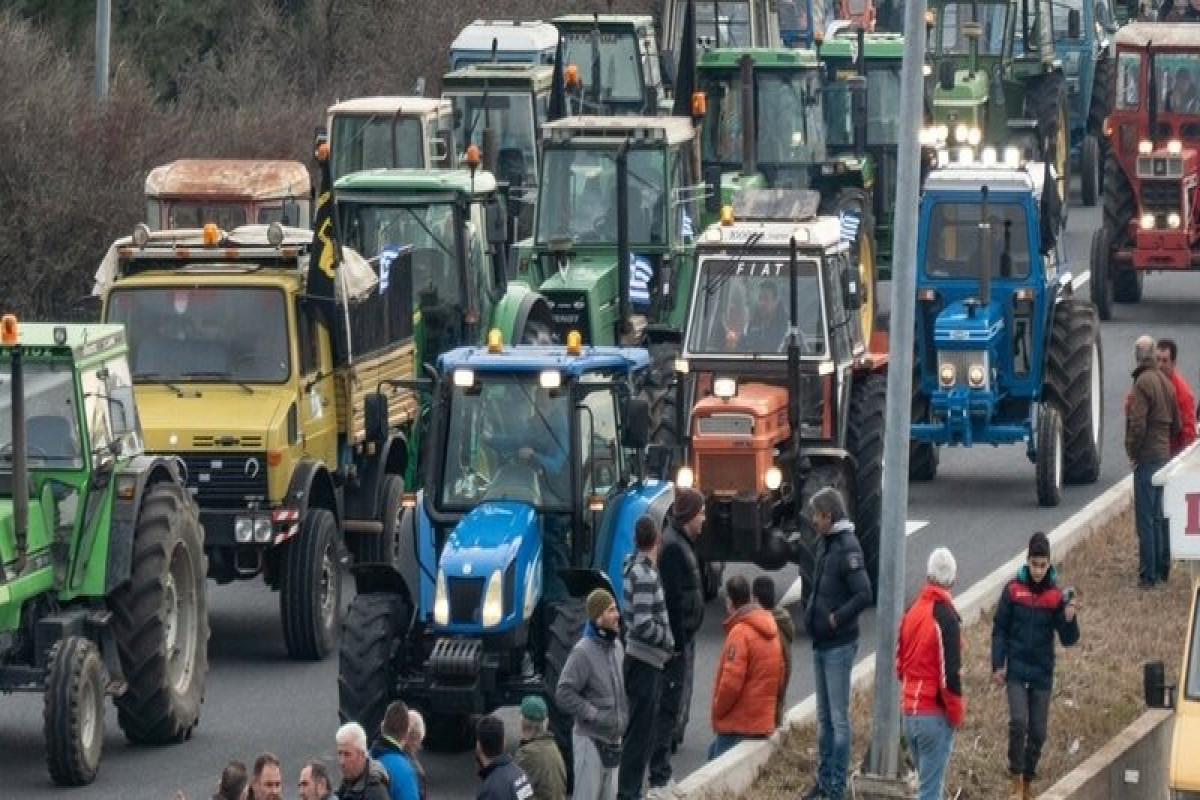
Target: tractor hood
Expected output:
[583,269]
[211,416]
[964,102]
[965,325]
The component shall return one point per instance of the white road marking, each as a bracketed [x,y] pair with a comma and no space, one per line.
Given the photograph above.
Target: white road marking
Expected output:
[1080,279]
[913,525]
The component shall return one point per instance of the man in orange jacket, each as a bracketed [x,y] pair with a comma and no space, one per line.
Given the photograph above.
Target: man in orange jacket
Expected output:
[749,673]
[929,664]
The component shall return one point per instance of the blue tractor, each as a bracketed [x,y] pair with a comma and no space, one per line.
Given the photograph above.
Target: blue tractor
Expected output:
[1005,351]
[1082,44]
[534,480]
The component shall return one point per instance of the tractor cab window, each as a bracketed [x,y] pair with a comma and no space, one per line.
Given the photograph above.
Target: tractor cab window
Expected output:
[952,20]
[599,443]
[507,439]
[577,199]
[376,141]
[883,106]
[721,24]
[429,229]
[225,216]
[510,114]
[1177,82]
[789,132]
[1129,75]
[110,409]
[1060,10]
[616,53]
[959,238]
[741,308]
[52,435]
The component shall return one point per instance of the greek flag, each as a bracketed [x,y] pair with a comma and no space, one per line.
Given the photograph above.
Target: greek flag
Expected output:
[848,220]
[386,256]
[640,273]
[686,231]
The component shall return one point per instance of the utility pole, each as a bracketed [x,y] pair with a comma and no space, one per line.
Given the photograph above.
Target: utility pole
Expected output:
[883,778]
[103,35]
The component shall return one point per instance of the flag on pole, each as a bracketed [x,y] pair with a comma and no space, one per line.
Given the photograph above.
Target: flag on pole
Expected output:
[326,252]
[640,274]
[849,222]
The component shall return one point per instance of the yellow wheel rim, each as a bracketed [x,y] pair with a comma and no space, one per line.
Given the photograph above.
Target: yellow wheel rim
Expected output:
[866,274]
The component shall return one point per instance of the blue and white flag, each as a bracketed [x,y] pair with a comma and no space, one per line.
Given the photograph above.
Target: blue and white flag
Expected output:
[848,220]
[686,231]
[640,273]
[386,256]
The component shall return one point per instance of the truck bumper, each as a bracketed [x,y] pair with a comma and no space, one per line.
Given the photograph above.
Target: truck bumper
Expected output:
[963,418]
[1160,249]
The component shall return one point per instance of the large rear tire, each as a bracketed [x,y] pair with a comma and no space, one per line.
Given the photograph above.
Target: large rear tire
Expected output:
[372,635]
[160,621]
[310,591]
[923,457]
[73,712]
[1074,384]
[1089,170]
[1049,464]
[1101,285]
[1118,212]
[1046,102]
[864,441]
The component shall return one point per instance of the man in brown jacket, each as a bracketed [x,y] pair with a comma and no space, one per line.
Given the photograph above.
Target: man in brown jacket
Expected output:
[1151,418]
[763,589]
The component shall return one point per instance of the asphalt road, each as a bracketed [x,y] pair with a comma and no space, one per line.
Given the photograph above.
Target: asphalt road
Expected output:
[982,505]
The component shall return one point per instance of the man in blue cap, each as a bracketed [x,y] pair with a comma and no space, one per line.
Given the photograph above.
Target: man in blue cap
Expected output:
[538,754]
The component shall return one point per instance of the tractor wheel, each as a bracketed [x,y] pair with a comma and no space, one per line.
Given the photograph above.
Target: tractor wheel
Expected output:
[310,590]
[73,715]
[1118,205]
[1102,98]
[858,201]
[1089,170]
[1101,284]
[538,332]
[864,441]
[372,634]
[1046,102]
[1127,285]
[1074,385]
[160,621]
[660,392]
[712,573]
[566,621]
[1049,470]
[384,547]
[923,457]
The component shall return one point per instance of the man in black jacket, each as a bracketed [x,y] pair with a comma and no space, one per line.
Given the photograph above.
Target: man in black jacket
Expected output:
[501,778]
[679,571]
[841,590]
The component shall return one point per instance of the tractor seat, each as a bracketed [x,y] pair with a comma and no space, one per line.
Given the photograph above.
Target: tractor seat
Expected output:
[51,436]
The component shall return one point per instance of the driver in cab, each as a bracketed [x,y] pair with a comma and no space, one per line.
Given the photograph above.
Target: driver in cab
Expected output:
[768,325]
[537,438]
[1184,98]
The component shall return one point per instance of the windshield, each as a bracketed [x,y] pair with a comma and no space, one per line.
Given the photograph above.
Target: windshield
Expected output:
[1129,74]
[363,141]
[51,416]
[620,70]
[212,334]
[226,216]
[511,116]
[507,439]
[782,134]
[951,20]
[1060,9]
[741,307]
[957,245]
[722,24]
[1177,76]
[429,229]
[577,199]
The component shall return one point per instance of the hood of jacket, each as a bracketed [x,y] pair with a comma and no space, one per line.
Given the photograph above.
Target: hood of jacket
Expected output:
[1048,582]
[757,617]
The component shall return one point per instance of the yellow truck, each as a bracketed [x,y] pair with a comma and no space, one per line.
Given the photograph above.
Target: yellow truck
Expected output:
[1180,482]
[267,397]
[229,192]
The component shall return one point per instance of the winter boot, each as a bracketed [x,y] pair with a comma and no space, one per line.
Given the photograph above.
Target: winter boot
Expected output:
[1016,787]
[1028,789]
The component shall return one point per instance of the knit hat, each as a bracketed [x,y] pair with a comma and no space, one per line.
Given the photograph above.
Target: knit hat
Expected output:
[597,603]
[533,708]
[688,503]
[1039,545]
[942,567]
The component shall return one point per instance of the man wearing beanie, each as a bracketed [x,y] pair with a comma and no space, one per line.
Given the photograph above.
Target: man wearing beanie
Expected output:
[1032,609]
[591,690]
[679,570]
[538,756]
[929,665]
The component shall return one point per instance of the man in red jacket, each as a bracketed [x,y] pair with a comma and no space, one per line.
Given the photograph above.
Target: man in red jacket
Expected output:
[1167,353]
[928,662]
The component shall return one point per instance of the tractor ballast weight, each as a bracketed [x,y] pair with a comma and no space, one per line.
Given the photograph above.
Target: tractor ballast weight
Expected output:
[1005,351]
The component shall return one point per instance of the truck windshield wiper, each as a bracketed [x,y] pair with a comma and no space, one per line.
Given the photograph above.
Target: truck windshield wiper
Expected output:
[156,377]
[216,375]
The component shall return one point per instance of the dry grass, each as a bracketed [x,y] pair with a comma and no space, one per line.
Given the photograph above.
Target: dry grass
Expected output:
[1097,690]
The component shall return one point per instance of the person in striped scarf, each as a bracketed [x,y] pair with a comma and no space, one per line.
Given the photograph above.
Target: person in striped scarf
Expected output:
[648,646]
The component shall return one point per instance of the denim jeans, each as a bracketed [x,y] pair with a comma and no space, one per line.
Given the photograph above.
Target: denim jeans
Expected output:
[930,740]
[727,741]
[1147,509]
[1028,713]
[832,670]
[643,690]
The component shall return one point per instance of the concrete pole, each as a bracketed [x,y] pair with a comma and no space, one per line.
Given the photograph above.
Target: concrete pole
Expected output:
[103,34]
[885,723]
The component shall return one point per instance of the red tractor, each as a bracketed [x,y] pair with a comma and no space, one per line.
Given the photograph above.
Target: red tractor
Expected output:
[1152,169]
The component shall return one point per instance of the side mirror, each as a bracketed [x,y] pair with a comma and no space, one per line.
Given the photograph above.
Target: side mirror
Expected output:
[1154,686]
[1073,27]
[946,75]
[497,228]
[712,180]
[636,433]
[375,417]
[851,289]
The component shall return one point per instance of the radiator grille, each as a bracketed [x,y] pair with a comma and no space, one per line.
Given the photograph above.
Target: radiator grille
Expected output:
[226,481]
[728,472]
[466,599]
[1161,196]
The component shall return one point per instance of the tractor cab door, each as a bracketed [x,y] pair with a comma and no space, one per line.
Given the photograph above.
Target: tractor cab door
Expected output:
[316,403]
[602,473]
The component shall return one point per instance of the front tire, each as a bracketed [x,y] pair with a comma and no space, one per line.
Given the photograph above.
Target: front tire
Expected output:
[1049,469]
[372,636]
[384,548]
[160,621]
[1074,384]
[73,714]
[310,591]
[1101,280]
[864,441]
[1089,169]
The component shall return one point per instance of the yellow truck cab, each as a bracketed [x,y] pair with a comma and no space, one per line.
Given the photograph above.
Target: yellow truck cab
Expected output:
[229,192]
[1180,481]
[267,396]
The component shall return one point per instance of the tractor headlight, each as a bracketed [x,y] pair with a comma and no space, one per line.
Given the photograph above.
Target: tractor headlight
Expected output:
[1174,220]
[725,388]
[493,601]
[1174,147]
[1147,222]
[773,479]
[976,375]
[243,530]
[974,137]
[960,132]
[946,374]
[531,591]
[685,478]
[1145,148]
[441,605]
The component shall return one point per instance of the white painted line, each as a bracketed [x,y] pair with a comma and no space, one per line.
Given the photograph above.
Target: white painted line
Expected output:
[913,525]
[1079,280]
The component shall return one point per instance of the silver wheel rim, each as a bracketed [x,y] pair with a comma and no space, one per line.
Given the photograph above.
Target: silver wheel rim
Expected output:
[179,593]
[88,716]
[328,593]
[1095,388]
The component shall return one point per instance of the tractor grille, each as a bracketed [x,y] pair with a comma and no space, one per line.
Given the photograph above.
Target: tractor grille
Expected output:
[466,599]
[1161,196]
[962,360]
[728,473]
[1160,167]
[226,481]
[569,310]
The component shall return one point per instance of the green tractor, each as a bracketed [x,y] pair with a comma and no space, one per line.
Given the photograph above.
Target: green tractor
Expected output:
[102,566]
[995,79]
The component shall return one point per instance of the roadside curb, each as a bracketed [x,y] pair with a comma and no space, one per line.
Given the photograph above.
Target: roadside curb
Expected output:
[735,770]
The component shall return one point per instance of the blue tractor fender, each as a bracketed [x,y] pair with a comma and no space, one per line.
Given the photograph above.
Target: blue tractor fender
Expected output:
[614,542]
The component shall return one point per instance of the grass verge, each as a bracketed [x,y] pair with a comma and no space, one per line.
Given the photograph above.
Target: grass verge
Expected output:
[1097,689]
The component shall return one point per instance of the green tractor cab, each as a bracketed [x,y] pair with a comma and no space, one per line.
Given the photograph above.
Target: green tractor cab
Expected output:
[102,566]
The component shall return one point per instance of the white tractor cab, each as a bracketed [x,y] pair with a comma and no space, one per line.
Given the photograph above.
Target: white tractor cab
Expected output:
[516,41]
[615,64]
[230,192]
[390,133]
[1180,482]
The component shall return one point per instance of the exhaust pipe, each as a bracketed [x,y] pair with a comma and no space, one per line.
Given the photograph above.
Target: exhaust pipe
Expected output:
[749,135]
[793,349]
[623,255]
[985,241]
[20,461]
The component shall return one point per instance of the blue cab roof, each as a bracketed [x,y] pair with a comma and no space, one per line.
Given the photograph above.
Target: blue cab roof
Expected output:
[535,358]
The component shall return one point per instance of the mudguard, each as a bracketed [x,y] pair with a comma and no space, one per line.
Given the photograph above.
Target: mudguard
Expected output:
[615,540]
[312,486]
[143,471]
[364,502]
[515,309]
